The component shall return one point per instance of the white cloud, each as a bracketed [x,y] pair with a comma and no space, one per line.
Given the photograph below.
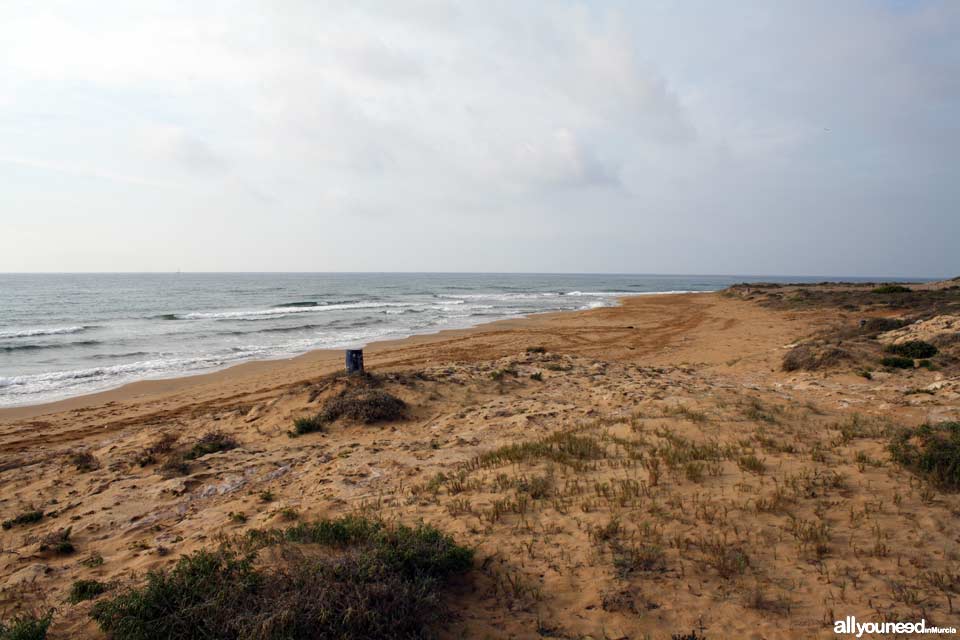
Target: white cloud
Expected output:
[676,129]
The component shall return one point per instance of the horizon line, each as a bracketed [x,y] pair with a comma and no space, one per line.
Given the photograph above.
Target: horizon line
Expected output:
[918,278]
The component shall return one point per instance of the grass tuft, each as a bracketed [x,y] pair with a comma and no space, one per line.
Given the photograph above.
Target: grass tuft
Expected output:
[308,424]
[82,590]
[211,442]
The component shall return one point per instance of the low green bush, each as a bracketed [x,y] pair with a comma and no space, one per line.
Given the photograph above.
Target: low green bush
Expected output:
[212,442]
[879,325]
[916,349]
[363,405]
[26,627]
[892,288]
[82,590]
[931,450]
[813,358]
[28,517]
[897,362]
[308,424]
[373,581]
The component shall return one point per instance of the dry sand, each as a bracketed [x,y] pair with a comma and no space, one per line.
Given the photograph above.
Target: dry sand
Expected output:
[721,494]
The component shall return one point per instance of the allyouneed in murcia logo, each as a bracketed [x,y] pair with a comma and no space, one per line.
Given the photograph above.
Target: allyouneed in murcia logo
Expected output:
[849,625]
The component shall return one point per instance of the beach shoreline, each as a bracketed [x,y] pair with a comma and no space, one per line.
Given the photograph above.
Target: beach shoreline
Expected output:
[635,470]
[324,358]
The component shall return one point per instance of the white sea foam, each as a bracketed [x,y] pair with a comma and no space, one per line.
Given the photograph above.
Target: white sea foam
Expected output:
[283,311]
[29,333]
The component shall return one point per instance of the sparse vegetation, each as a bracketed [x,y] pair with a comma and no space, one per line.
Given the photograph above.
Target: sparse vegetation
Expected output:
[92,561]
[562,447]
[211,442]
[753,464]
[175,465]
[501,374]
[645,557]
[162,446]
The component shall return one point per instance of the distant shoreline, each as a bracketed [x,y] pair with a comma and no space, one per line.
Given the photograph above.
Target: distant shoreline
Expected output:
[328,359]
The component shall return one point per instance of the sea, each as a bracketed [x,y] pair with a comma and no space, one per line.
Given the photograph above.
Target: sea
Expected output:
[63,335]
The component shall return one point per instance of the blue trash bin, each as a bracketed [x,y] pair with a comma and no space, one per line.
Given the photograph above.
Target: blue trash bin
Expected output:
[354,360]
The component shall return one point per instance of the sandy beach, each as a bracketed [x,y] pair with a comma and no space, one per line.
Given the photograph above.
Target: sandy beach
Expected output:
[720,493]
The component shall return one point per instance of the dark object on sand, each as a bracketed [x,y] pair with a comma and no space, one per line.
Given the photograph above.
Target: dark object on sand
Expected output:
[354,360]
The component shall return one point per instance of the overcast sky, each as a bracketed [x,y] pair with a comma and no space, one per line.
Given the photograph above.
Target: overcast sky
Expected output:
[807,137]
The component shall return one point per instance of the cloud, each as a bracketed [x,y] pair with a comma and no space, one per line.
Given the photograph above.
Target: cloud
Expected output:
[677,131]
[177,145]
[561,160]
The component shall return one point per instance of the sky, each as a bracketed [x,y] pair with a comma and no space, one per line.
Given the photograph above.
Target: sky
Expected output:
[813,137]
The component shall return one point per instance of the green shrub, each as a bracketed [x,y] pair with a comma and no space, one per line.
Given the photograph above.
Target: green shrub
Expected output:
[880,325]
[536,376]
[26,627]
[645,557]
[752,464]
[199,598]
[376,581]
[82,590]
[163,445]
[58,541]
[931,450]
[913,349]
[212,442]
[533,350]
[892,288]
[897,362]
[175,465]
[308,424]
[28,517]
[810,358]
[84,461]
[363,405]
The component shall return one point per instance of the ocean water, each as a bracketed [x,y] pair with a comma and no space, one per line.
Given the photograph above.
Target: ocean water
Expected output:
[69,334]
